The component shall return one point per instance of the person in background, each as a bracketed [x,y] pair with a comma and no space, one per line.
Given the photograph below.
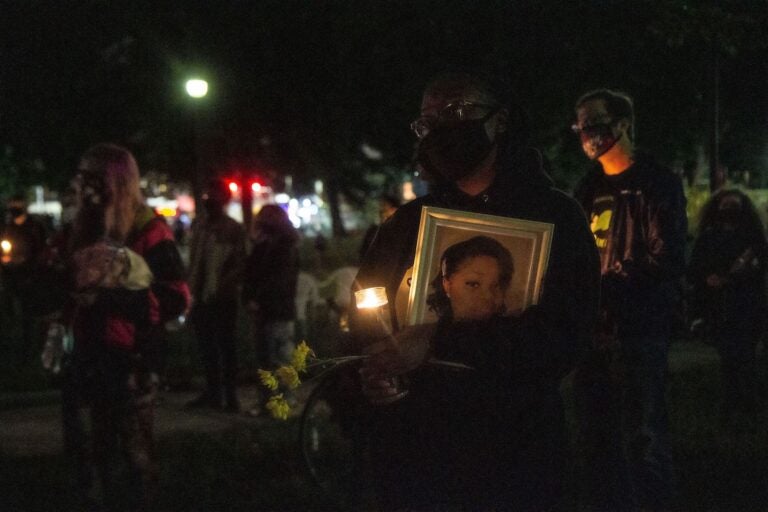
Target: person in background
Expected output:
[269,285]
[217,255]
[727,273]
[307,303]
[388,205]
[473,147]
[637,215]
[127,282]
[23,247]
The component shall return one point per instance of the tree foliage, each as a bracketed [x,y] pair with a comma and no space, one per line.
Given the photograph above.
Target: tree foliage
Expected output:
[320,79]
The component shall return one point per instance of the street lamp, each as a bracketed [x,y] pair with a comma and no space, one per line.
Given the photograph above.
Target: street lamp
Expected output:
[196,87]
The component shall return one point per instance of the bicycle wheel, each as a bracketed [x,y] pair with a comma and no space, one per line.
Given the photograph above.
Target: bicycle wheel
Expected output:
[328,437]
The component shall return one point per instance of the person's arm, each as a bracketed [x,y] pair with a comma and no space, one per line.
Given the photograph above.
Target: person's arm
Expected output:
[162,255]
[234,267]
[566,316]
[667,228]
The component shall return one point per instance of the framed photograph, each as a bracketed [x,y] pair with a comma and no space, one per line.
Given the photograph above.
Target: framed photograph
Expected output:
[528,243]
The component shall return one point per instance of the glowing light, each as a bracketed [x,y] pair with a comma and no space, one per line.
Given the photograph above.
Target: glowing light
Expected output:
[233,187]
[282,198]
[5,245]
[256,186]
[369,298]
[196,88]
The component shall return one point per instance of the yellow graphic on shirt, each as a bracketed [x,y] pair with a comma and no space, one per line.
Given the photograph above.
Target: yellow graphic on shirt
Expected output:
[599,226]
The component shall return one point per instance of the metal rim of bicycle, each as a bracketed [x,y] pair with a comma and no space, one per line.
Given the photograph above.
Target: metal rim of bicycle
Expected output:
[336,493]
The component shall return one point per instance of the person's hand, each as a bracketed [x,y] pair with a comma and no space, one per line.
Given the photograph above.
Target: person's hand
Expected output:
[406,352]
[100,264]
[380,390]
[382,373]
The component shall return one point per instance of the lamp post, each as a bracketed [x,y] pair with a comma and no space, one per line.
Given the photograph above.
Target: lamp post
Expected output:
[197,89]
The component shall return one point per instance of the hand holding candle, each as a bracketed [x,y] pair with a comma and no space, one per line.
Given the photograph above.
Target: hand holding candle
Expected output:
[372,308]
[5,250]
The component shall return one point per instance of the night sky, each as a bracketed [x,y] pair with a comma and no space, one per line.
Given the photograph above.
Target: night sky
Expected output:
[298,86]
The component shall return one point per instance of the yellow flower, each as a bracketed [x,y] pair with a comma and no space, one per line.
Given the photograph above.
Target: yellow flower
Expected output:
[278,407]
[299,356]
[268,380]
[288,376]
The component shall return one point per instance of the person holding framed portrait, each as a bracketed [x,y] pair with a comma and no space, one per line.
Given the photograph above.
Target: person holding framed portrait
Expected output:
[492,437]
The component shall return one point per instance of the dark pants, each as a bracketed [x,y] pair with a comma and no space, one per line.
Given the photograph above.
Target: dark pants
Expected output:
[215,324]
[121,402]
[736,342]
[623,447]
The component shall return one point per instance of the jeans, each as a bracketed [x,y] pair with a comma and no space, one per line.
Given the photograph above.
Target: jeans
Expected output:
[278,340]
[646,423]
[623,450]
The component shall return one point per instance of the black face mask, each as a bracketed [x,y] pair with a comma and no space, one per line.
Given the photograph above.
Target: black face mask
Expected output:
[600,138]
[730,217]
[455,151]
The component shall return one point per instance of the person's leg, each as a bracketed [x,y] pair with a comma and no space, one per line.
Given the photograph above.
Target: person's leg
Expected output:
[280,336]
[136,430]
[74,435]
[227,340]
[741,355]
[602,477]
[724,345]
[646,420]
[104,430]
[205,318]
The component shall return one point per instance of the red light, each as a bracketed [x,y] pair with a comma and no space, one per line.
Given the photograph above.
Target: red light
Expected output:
[256,186]
[233,187]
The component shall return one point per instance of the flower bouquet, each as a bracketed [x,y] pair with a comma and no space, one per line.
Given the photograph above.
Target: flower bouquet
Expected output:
[289,377]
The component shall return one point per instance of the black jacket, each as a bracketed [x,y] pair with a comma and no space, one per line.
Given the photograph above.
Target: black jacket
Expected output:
[570,294]
[271,274]
[643,245]
[493,436]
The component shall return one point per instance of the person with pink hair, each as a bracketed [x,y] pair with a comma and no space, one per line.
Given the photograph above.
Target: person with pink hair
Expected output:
[127,281]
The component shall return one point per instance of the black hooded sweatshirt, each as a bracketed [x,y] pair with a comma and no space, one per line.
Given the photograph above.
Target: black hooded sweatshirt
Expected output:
[469,438]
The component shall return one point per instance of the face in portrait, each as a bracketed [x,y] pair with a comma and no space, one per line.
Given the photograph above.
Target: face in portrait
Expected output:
[475,275]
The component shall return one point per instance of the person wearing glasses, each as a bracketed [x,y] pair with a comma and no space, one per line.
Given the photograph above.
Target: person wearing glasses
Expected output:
[472,147]
[637,215]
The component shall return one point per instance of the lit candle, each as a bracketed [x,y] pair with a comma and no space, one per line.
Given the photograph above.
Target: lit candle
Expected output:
[375,297]
[376,323]
[373,311]
[6,247]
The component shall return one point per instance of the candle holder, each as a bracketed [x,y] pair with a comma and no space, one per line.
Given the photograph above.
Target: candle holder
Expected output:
[5,251]
[376,324]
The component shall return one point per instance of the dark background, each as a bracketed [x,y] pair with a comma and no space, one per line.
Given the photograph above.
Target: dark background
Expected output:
[298,86]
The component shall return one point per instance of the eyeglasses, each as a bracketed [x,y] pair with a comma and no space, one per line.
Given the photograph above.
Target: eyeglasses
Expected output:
[591,129]
[454,112]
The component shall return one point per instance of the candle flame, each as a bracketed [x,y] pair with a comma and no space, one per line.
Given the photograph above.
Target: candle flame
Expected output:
[6,246]
[371,297]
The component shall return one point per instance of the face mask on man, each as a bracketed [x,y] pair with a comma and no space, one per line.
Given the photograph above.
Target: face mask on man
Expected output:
[454,151]
[598,139]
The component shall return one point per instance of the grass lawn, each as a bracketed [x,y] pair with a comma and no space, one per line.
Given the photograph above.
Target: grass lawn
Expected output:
[258,468]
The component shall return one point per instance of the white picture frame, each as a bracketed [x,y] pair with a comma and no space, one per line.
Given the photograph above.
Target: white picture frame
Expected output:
[529,243]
